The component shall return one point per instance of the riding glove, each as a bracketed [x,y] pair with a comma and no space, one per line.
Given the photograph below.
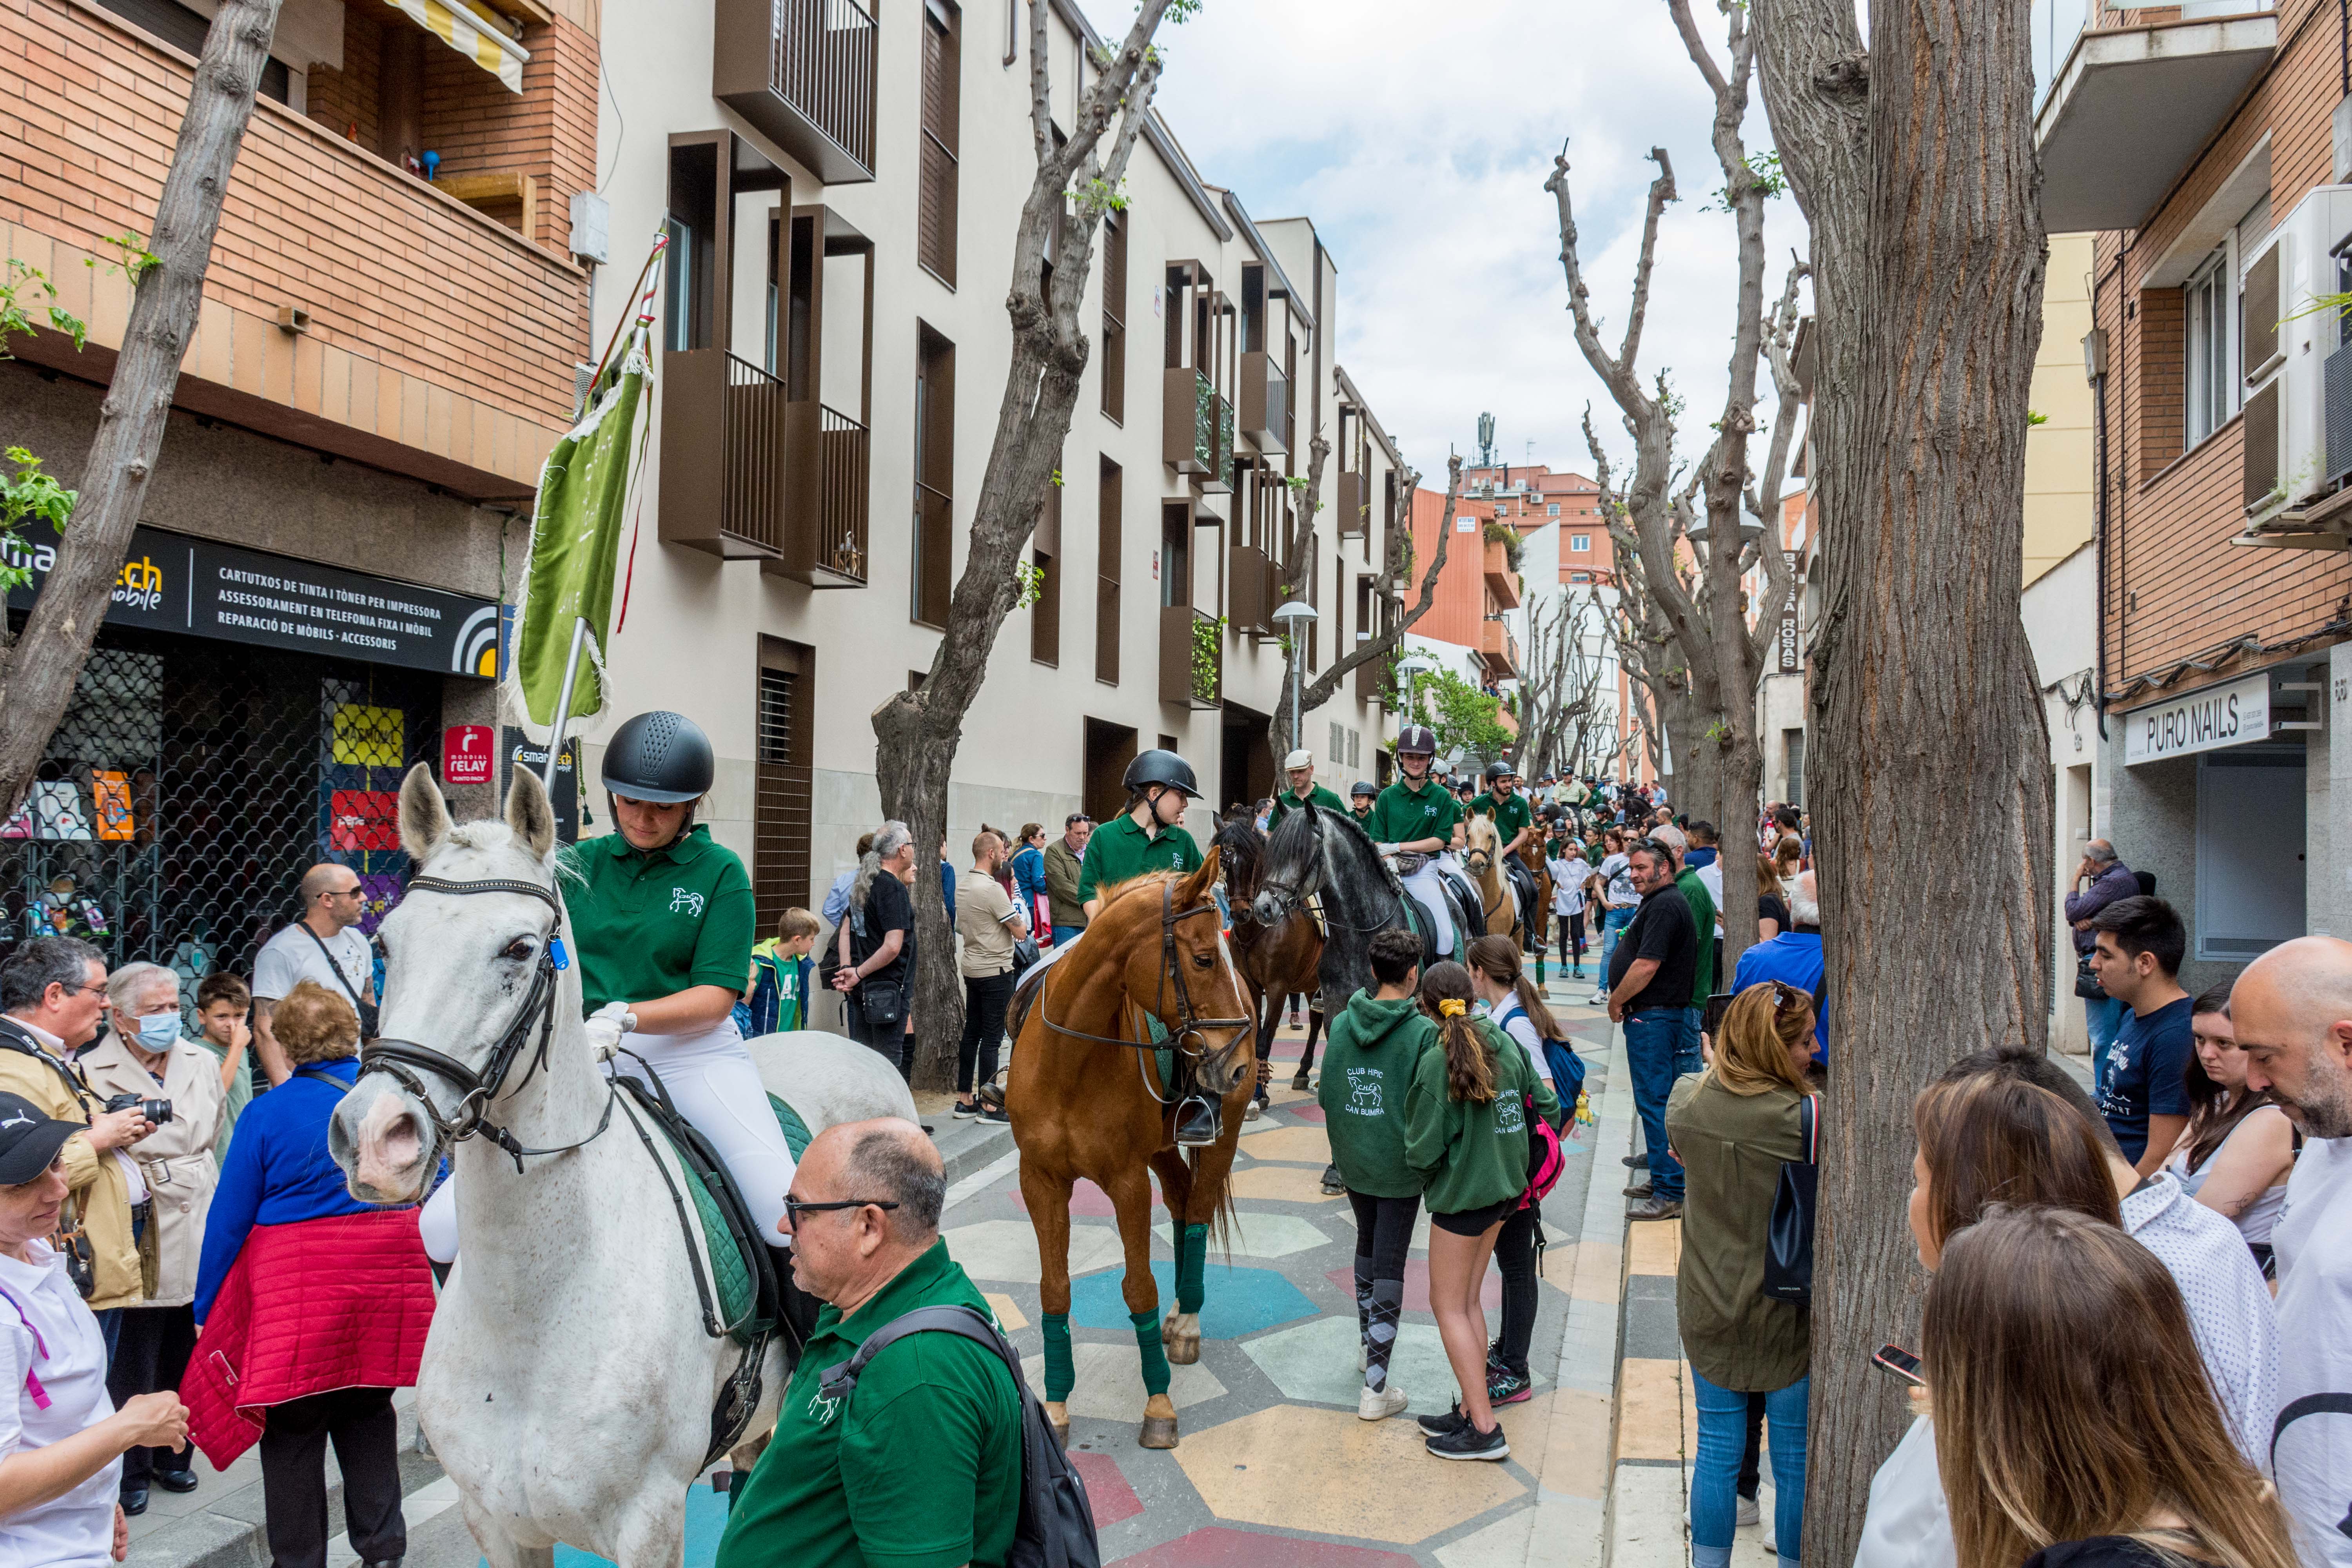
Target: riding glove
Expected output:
[605,1026]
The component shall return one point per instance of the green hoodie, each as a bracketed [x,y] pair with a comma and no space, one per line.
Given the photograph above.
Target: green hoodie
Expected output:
[1470,1156]
[1367,1066]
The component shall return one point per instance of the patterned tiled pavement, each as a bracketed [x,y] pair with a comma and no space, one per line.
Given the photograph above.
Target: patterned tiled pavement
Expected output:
[1273,1466]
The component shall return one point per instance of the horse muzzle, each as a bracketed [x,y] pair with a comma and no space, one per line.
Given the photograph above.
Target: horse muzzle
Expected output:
[384,1142]
[1270,907]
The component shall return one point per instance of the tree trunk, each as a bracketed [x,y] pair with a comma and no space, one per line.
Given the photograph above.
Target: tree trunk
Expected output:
[39,672]
[1920,180]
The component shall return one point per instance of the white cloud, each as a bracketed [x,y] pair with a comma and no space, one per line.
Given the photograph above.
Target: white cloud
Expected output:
[1418,137]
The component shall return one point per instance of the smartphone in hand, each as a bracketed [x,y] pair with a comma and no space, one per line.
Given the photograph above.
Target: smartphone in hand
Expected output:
[1899,1364]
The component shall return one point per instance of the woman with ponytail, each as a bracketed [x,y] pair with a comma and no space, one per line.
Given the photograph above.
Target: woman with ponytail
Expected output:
[1467,1136]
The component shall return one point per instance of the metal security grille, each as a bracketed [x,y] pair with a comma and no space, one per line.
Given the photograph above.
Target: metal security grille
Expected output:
[779,849]
[190,786]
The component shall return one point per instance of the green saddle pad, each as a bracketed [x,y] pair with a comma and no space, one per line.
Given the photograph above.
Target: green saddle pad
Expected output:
[1163,1057]
[732,1271]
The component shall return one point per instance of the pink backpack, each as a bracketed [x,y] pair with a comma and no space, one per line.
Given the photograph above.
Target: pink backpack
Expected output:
[1546,1158]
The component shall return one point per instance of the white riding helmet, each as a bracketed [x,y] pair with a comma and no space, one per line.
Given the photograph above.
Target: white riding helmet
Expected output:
[1301,758]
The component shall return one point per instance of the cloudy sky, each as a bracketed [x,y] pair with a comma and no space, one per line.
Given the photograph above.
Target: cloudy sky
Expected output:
[1418,137]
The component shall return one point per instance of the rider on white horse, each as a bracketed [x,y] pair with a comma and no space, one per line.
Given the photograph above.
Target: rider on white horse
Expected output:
[1414,816]
[662,920]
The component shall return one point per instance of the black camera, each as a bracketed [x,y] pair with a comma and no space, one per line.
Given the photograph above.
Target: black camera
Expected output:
[158,1112]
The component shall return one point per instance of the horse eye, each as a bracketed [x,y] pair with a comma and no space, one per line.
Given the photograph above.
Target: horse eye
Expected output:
[1203,960]
[519,949]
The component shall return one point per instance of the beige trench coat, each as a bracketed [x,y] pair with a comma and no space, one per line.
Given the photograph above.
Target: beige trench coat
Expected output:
[101,1193]
[176,1158]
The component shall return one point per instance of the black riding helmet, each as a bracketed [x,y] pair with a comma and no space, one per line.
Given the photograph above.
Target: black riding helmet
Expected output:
[1362,789]
[661,757]
[1159,768]
[1499,769]
[1415,740]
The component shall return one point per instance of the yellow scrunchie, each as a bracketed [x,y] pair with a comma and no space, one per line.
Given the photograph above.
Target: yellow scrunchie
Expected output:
[1452,1007]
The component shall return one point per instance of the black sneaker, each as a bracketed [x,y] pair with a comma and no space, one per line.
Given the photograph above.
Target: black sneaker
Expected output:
[1635,1161]
[965,1111]
[994,1113]
[1442,1426]
[1641,1189]
[1505,1387]
[1467,1442]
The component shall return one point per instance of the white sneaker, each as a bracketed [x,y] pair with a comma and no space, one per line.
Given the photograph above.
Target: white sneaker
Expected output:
[1380,1403]
[1364,1356]
[1600,998]
[1250,1112]
[1749,1512]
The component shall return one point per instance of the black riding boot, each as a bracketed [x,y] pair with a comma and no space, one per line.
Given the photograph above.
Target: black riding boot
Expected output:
[1196,1120]
[797,1310]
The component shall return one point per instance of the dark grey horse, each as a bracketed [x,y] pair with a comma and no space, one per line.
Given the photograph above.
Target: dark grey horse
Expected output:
[1323,853]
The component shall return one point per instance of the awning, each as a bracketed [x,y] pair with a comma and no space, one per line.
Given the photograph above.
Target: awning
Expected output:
[470,35]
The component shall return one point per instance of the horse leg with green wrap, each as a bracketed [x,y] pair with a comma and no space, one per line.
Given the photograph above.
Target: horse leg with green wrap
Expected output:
[1048,1199]
[1130,1191]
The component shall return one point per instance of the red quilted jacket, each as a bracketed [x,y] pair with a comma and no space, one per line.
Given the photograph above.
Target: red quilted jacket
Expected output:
[317,1305]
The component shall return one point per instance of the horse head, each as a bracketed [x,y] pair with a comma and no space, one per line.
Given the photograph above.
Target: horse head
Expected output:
[1483,847]
[1177,966]
[1290,869]
[1239,848]
[466,978]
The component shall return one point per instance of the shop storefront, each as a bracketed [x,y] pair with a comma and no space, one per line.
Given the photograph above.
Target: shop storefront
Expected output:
[242,717]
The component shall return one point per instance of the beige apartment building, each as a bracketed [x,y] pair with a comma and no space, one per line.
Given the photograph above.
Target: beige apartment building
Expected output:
[840,185]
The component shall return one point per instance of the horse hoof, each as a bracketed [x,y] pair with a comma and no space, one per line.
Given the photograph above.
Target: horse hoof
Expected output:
[1181,1336]
[1158,1432]
[1299,1081]
[1057,1417]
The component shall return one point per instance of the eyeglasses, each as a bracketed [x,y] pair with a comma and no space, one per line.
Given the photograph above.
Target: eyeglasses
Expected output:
[343,893]
[794,1208]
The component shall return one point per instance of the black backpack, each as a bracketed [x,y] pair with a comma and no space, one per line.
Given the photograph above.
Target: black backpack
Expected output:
[1057,1523]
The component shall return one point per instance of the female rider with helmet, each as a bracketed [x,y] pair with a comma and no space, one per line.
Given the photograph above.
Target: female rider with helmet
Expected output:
[662,925]
[1415,816]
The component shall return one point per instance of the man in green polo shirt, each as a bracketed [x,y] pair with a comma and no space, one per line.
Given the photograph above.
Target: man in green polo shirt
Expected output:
[1514,821]
[1299,768]
[919,1467]
[1415,816]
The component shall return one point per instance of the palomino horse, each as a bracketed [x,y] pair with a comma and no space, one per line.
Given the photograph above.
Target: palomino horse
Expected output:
[569,1381]
[1087,1098]
[1483,859]
[1278,962]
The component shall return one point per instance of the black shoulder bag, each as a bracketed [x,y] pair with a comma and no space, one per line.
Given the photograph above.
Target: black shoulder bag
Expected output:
[1788,1239]
[1057,1523]
[366,1010]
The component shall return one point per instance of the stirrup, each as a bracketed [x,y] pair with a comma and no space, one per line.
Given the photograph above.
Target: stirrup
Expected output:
[1184,1122]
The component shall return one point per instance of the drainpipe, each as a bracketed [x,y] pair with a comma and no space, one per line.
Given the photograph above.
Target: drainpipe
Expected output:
[2094,365]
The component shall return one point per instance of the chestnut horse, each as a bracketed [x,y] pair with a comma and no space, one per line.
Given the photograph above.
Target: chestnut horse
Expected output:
[1278,962]
[1087,1097]
[1532,856]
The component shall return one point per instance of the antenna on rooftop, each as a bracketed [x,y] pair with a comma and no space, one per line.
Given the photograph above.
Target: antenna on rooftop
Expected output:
[1485,440]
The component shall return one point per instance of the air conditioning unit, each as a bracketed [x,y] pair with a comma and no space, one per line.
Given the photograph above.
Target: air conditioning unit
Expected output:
[2287,350]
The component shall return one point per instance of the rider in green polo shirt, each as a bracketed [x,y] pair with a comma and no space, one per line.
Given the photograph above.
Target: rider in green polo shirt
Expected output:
[1515,821]
[1150,836]
[1299,767]
[1415,816]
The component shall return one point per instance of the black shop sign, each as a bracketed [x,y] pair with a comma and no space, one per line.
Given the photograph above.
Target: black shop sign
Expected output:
[171,583]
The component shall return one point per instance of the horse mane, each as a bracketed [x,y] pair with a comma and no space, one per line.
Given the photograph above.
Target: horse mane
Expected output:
[1111,892]
[491,832]
[1238,850]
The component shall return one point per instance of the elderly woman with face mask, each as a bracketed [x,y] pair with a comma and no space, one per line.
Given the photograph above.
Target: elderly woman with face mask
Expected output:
[143,1052]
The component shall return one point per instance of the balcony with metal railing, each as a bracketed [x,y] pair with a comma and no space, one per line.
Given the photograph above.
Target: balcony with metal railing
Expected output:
[1192,658]
[802,72]
[827,457]
[1265,404]
[722,455]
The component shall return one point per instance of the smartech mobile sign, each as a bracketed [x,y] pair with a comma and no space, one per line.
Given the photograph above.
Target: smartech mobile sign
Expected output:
[171,583]
[2206,720]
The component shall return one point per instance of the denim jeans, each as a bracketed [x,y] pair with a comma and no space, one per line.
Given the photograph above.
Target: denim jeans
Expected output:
[2104,1017]
[1612,925]
[1722,1434]
[1653,1050]
[1065,935]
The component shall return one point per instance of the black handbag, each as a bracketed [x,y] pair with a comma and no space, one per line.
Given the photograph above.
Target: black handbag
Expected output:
[1788,1240]
[1025,952]
[2086,981]
[367,1011]
[882,1002]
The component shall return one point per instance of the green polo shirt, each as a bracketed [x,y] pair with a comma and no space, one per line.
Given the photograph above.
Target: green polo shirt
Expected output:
[1285,802]
[650,925]
[1702,908]
[1510,816]
[1121,850]
[919,1468]
[1403,815]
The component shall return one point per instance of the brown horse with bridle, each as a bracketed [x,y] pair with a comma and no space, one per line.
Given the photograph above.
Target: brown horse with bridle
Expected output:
[1278,962]
[1103,1038]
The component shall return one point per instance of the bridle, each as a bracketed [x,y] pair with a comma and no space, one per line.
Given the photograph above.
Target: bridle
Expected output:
[1187,1023]
[402,1061]
[1288,896]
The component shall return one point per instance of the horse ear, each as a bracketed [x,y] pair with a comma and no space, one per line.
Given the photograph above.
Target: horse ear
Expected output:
[531,814]
[424,819]
[1195,888]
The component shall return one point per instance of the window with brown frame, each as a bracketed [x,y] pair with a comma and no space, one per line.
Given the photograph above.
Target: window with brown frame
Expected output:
[1045,610]
[1114,328]
[1108,539]
[932,578]
[936,180]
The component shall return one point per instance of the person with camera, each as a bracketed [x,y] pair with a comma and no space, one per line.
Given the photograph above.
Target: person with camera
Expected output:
[52,994]
[61,1437]
[144,1061]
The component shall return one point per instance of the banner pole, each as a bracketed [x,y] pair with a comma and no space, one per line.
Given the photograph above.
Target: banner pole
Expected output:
[563,702]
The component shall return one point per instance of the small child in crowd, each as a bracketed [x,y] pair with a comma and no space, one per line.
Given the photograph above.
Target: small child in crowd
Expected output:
[776,995]
[222,1003]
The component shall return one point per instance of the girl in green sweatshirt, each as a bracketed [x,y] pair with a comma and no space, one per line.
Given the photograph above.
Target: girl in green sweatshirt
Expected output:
[1467,1136]
[1376,1043]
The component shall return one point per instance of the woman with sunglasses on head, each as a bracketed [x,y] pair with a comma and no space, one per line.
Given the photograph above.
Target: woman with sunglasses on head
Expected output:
[1734,1126]
[2239,1148]
[1468,1138]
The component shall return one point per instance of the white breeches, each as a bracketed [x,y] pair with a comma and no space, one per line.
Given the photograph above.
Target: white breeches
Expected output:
[716,1086]
[1429,893]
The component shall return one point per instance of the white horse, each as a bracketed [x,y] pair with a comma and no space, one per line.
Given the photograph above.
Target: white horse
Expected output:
[568,1383]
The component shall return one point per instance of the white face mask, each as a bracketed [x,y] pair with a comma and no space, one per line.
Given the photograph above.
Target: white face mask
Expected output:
[159,1031]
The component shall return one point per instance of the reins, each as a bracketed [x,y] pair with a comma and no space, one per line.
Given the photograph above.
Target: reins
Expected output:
[1187,1025]
[1291,897]
[402,1059]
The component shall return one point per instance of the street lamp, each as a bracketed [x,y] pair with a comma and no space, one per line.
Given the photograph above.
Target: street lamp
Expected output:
[1410,667]
[1294,617]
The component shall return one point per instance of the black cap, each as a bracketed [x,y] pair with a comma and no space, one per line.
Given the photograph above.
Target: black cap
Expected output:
[29,1138]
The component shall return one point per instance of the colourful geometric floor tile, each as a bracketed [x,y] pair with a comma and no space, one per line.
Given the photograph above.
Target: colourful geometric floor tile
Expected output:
[1282,1183]
[1316,1363]
[1006,1250]
[1109,1384]
[1303,1468]
[1258,1233]
[1220,1548]
[1416,1285]
[1089,1201]
[1107,1491]
[1301,1145]
[1311,1114]
[1238,1301]
[705,1520]
[1009,1315]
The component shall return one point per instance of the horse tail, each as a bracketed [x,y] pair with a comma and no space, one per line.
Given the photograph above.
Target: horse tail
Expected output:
[1223,1216]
